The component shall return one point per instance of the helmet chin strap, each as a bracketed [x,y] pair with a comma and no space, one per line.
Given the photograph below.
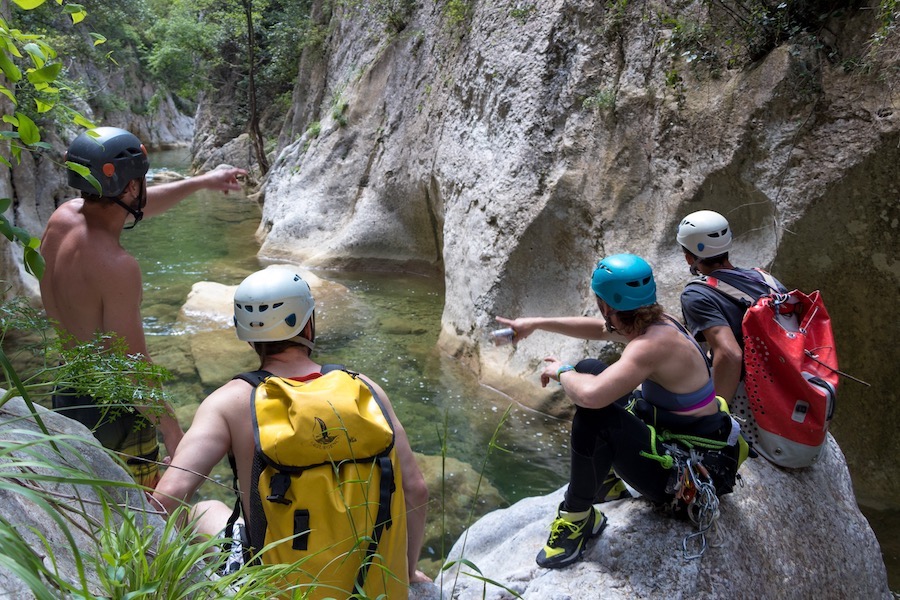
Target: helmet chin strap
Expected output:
[137,213]
[694,270]
[304,342]
[607,316]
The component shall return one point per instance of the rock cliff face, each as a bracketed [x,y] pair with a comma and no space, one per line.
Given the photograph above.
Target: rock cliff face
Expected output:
[511,147]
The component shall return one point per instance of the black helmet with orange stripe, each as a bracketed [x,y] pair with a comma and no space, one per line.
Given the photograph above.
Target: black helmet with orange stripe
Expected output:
[114,156]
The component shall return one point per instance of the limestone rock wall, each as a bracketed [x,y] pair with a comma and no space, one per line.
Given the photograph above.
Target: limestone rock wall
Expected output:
[511,149]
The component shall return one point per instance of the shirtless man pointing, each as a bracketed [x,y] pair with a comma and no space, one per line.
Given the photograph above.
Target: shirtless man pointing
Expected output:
[92,285]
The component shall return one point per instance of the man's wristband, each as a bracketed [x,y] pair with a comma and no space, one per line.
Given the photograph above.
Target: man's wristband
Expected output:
[563,369]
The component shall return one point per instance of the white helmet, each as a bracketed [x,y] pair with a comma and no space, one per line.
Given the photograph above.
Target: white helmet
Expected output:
[273,305]
[705,233]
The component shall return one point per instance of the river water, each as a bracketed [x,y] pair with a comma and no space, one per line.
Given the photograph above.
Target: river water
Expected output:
[390,334]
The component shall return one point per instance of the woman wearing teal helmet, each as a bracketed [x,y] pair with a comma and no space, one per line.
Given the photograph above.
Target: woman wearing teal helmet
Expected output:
[677,393]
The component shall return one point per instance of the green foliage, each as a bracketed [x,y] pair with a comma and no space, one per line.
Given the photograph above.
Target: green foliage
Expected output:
[103,369]
[339,108]
[100,368]
[600,100]
[393,15]
[458,11]
[183,48]
[32,69]
[695,40]
[135,560]
[523,13]
[33,84]
[735,33]
[888,19]
[34,262]
[131,558]
[614,17]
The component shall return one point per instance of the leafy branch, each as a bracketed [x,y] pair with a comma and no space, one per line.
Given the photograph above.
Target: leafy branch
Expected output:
[100,368]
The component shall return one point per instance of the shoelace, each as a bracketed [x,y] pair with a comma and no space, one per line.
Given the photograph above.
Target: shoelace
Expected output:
[558,525]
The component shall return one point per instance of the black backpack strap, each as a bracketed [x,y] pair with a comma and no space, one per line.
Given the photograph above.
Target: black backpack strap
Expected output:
[329,367]
[230,530]
[382,518]
[236,513]
[254,378]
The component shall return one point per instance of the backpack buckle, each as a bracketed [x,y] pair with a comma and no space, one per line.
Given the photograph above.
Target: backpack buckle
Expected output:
[281,483]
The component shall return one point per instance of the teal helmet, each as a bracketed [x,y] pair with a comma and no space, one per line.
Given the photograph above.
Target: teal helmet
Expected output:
[624,281]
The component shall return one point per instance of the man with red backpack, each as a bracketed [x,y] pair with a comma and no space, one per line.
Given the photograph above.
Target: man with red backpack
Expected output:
[713,317]
[774,355]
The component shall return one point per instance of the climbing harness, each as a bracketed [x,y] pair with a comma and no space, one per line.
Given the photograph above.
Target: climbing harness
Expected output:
[691,485]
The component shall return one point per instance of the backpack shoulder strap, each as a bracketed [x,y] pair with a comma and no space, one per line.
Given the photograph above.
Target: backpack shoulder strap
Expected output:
[382,517]
[734,294]
[329,367]
[769,280]
[254,378]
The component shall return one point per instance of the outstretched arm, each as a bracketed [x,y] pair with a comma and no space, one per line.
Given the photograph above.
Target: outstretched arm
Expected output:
[586,328]
[206,442]
[160,198]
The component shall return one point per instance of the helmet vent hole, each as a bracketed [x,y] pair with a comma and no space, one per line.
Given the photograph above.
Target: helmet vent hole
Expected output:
[291,320]
[248,307]
[277,305]
[239,305]
[263,307]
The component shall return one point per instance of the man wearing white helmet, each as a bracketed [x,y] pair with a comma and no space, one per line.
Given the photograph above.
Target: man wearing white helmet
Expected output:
[706,239]
[274,311]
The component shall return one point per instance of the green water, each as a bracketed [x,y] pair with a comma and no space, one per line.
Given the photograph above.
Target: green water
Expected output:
[389,332]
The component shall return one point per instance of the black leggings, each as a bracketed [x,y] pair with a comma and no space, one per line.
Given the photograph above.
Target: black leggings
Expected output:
[613,438]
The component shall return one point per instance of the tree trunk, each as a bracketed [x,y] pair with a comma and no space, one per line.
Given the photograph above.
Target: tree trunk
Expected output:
[253,121]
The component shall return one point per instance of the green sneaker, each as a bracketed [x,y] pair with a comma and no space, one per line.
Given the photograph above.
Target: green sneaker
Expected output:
[612,489]
[566,542]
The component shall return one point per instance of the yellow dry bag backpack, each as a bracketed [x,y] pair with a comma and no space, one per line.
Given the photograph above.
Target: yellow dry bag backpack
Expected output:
[326,489]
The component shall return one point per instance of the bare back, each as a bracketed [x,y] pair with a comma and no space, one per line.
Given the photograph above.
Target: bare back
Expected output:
[91,284]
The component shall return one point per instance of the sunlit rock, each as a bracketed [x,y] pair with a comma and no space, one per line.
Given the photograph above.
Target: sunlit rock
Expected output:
[795,534]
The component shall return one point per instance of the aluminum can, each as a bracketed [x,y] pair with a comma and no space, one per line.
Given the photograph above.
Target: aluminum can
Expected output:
[502,337]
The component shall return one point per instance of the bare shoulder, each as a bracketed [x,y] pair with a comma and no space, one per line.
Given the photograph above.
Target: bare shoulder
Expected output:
[649,348]
[233,394]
